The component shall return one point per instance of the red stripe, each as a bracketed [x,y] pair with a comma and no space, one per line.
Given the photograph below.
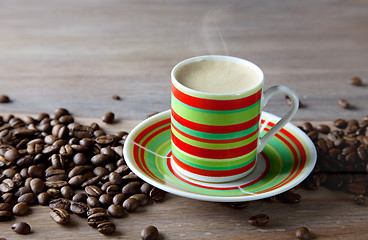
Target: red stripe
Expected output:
[216,105]
[214,140]
[212,128]
[214,153]
[214,173]
[151,128]
[221,188]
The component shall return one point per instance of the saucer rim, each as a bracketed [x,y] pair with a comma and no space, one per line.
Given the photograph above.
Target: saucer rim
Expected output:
[184,193]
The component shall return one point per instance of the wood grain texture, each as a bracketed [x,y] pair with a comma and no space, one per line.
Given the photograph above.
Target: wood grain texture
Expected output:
[327,214]
[77,54]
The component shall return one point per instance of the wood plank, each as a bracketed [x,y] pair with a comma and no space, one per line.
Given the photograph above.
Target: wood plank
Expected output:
[77,55]
[328,214]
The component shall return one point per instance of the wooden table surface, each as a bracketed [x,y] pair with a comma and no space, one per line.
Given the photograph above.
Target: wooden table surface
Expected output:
[78,54]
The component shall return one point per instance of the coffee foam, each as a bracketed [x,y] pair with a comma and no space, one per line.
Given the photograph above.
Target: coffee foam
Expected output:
[217,76]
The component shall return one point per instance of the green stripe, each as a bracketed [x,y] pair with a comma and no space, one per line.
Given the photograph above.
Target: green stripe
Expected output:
[214,145]
[219,136]
[221,118]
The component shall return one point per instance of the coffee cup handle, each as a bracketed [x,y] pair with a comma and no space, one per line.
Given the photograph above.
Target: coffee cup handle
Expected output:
[285,119]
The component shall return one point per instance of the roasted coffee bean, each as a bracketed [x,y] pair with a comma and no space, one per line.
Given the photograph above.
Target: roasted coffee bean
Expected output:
[119,198]
[5,207]
[131,204]
[157,194]
[80,197]
[340,123]
[132,188]
[313,135]
[29,198]
[56,184]
[7,197]
[60,216]
[4,99]
[107,139]
[105,199]
[66,119]
[115,178]
[92,181]
[150,233]
[93,191]
[343,103]
[60,203]
[116,97]
[108,117]
[362,153]
[289,197]
[307,127]
[258,220]
[37,185]
[54,192]
[79,208]
[116,211]
[238,205]
[122,169]
[143,199]
[7,185]
[323,128]
[146,188]
[5,216]
[97,218]
[67,192]
[93,202]
[303,233]
[99,159]
[359,199]
[100,171]
[357,187]
[356,81]
[44,198]
[12,155]
[9,172]
[106,228]
[77,170]
[76,181]
[95,210]
[113,190]
[20,209]
[21,228]
[35,171]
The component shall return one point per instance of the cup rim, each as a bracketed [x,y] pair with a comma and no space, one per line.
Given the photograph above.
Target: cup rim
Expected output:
[211,57]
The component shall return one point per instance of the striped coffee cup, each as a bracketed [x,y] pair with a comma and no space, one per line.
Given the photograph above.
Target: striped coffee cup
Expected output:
[214,134]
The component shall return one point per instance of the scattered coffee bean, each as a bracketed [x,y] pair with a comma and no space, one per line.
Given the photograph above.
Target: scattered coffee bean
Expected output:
[60,216]
[106,227]
[359,199]
[60,203]
[356,81]
[79,208]
[44,198]
[303,233]
[143,199]
[343,103]
[258,220]
[238,205]
[109,117]
[116,211]
[21,228]
[5,207]
[157,194]
[131,204]
[4,99]
[20,209]
[116,97]
[96,218]
[5,216]
[150,233]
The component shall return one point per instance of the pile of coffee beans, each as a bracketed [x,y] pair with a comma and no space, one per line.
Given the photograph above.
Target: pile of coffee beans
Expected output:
[73,168]
[342,152]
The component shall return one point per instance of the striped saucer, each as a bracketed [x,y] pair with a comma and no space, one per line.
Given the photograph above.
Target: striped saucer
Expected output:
[287,159]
